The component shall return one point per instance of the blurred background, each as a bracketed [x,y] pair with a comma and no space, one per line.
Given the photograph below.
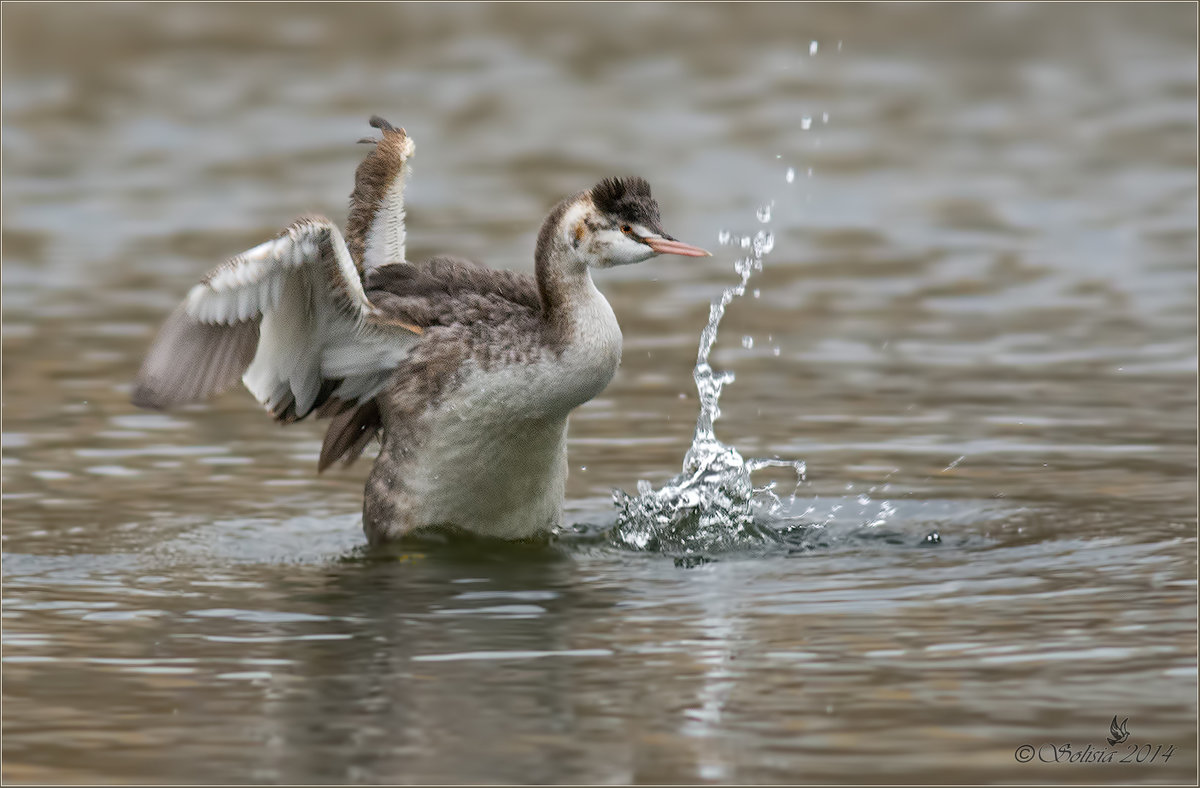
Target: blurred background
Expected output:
[979,315]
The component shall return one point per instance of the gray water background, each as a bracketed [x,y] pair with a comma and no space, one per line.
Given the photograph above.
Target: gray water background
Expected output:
[980,310]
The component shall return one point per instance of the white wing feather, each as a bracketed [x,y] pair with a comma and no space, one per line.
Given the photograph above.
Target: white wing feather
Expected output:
[315,327]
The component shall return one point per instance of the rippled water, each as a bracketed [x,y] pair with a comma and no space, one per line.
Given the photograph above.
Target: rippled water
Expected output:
[976,328]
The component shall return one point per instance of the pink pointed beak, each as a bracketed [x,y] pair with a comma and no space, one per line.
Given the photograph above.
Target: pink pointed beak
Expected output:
[671,246]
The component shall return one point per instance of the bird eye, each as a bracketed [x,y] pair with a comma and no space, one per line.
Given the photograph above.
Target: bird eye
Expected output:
[626,229]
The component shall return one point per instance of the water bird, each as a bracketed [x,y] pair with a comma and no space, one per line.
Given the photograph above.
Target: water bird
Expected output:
[466,374]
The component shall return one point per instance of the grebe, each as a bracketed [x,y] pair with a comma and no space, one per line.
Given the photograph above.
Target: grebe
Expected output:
[468,372]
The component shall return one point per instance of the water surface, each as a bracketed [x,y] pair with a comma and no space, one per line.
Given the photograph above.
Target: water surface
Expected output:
[978,319]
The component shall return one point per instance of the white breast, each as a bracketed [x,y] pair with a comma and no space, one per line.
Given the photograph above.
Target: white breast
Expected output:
[495,458]
[593,351]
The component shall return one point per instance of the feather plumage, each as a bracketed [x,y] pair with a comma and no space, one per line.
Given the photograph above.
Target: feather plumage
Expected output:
[290,316]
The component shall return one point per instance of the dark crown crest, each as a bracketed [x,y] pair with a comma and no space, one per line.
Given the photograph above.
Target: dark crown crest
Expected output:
[627,198]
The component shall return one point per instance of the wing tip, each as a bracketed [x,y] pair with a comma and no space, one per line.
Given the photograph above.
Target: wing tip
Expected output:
[349,433]
[147,397]
[377,122]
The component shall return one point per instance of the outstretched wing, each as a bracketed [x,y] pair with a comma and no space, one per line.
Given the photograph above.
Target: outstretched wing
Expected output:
[375,226]
[290,317]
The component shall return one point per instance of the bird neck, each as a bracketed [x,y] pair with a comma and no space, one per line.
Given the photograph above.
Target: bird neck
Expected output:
[576,315]
[563,278]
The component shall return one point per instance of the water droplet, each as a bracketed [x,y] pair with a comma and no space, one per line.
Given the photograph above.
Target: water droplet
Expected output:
[775,351]
[791,174]
[764,242]
[806,123]
[810,172]
[747,342]
[764,213]
[824,117]
[839,46]
[812,48]
[583,467]
[723,237]
[756,292]
[745,242]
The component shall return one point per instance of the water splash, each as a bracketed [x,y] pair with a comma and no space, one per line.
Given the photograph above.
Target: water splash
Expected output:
[763,243]
[712,504]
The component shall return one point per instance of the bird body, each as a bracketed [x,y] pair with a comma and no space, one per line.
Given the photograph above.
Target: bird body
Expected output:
[467,374]
[493,450]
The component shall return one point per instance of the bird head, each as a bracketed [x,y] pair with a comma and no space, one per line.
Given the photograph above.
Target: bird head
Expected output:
[617,222]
